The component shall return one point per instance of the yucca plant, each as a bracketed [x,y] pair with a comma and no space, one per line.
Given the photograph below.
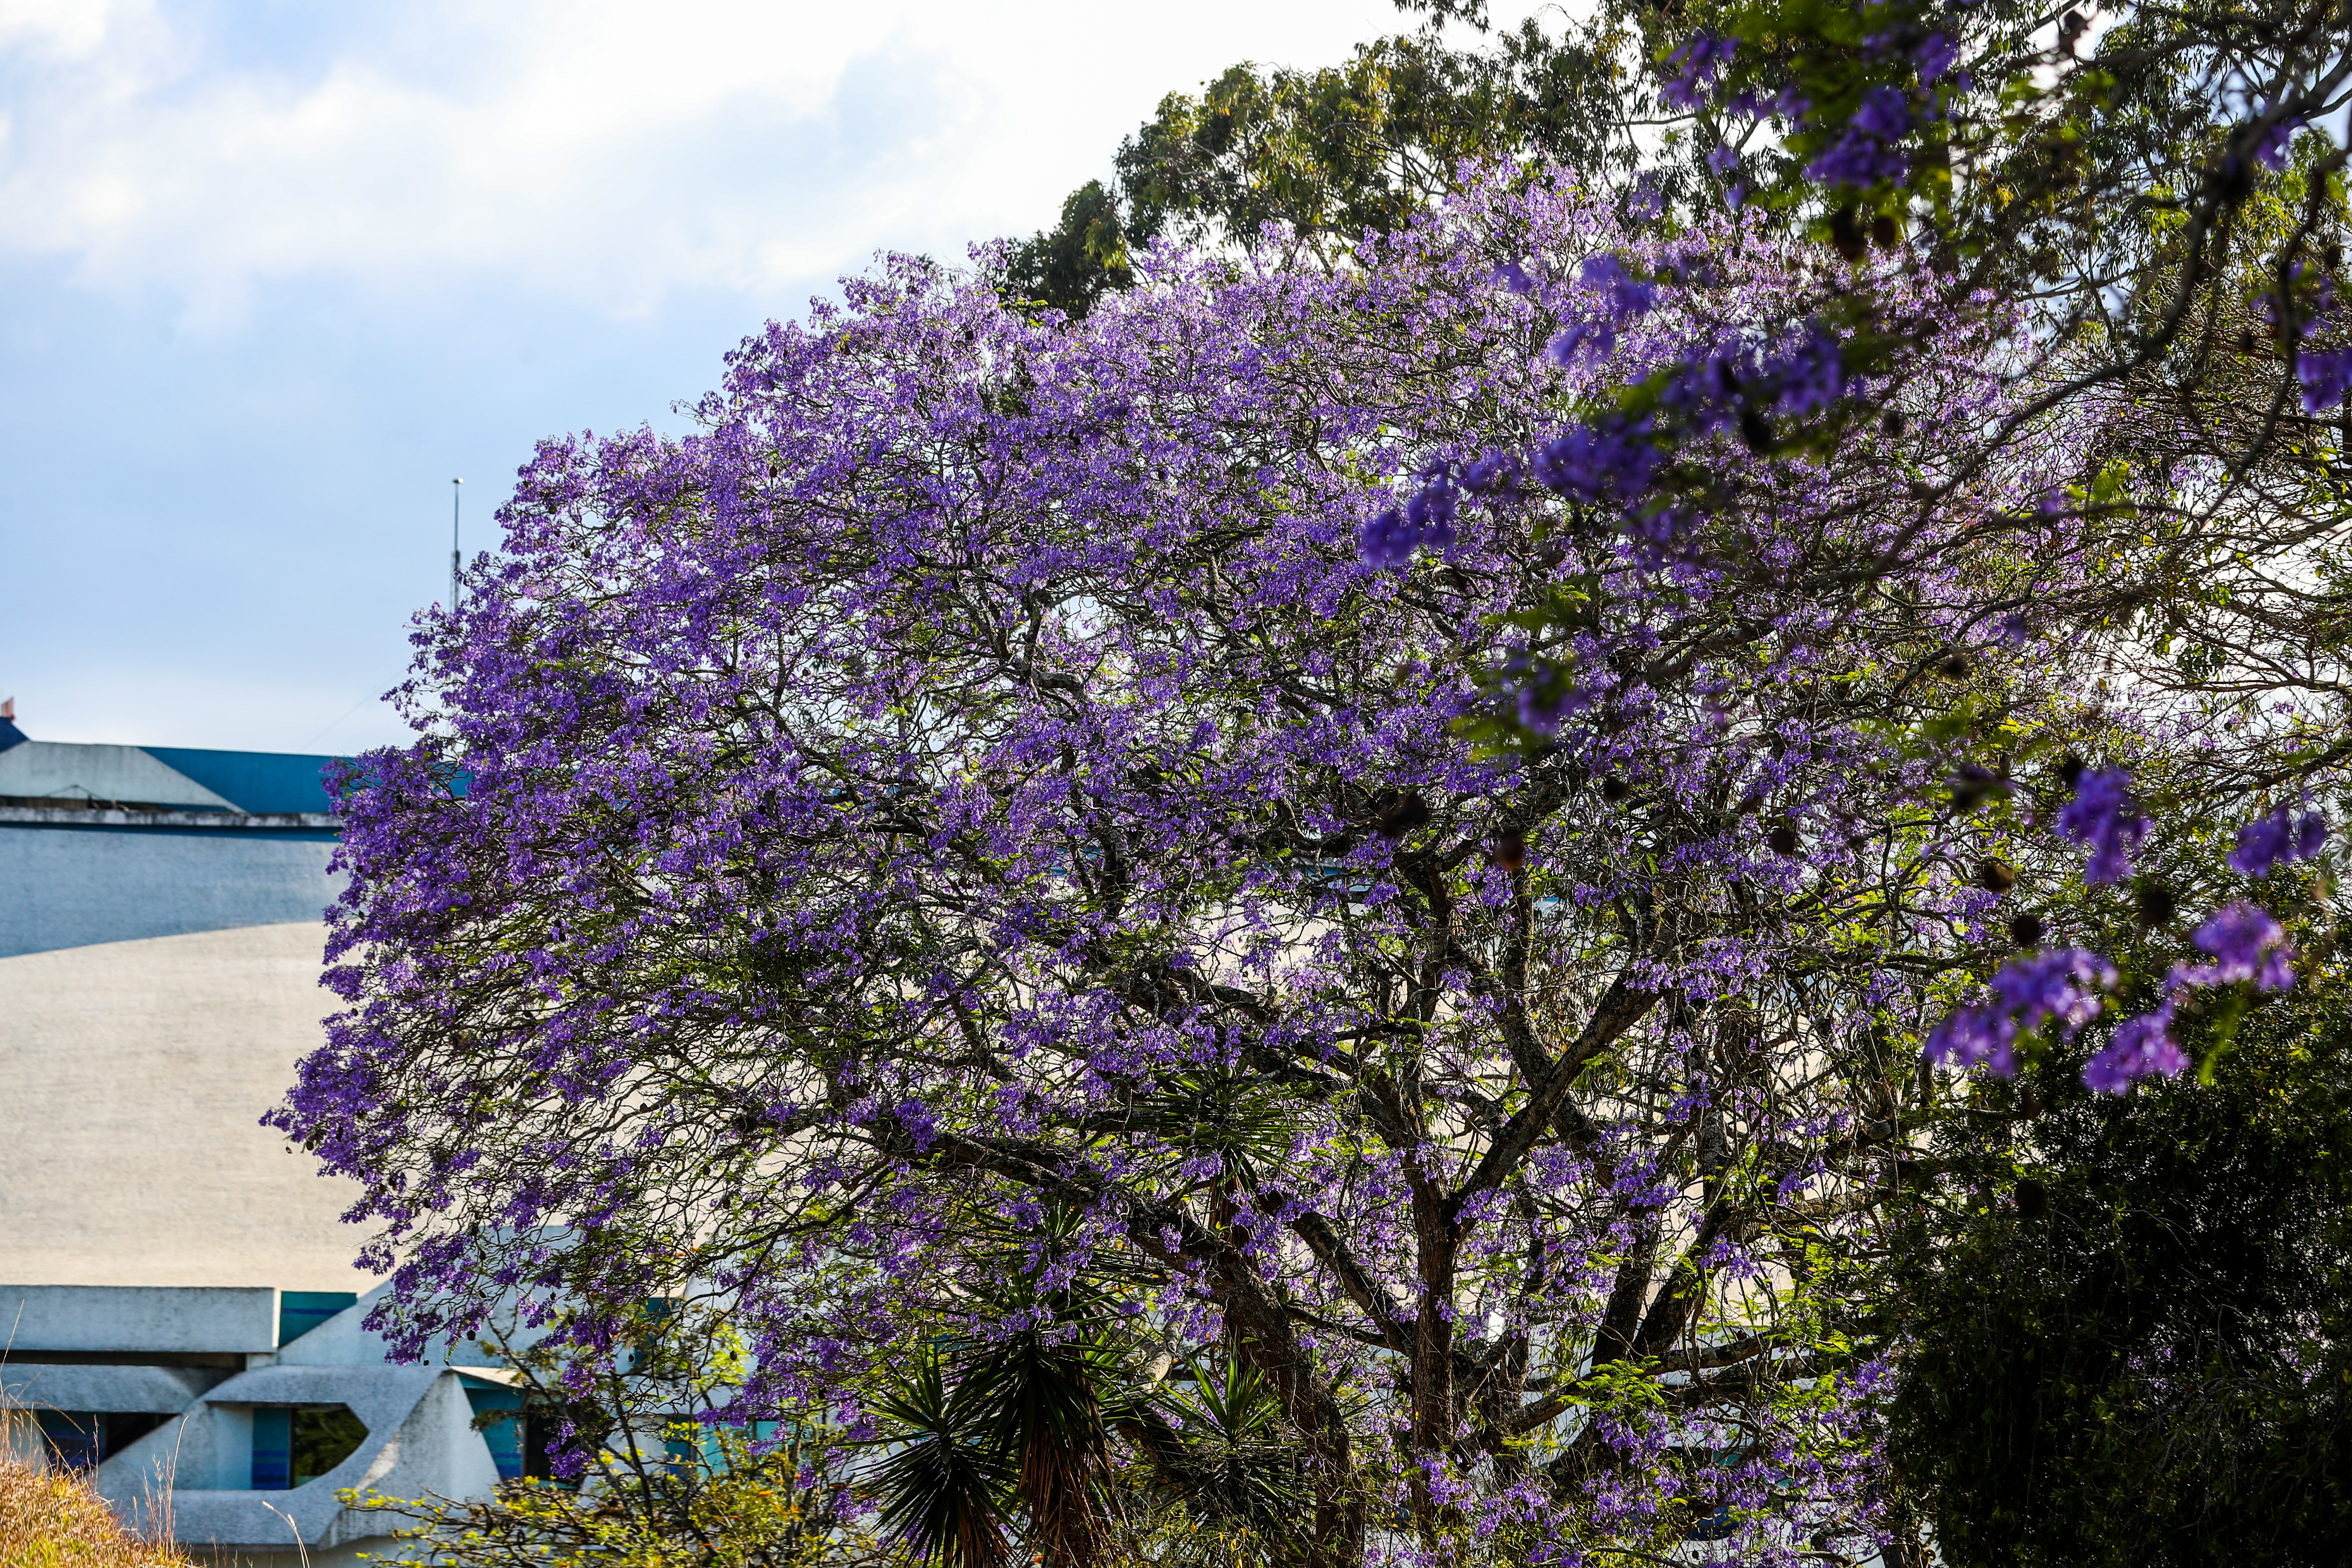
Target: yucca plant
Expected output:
[945,1479]
[1235,1463]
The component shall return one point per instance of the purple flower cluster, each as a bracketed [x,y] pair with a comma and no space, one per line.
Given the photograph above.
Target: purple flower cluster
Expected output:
[2140,1047]
[2270,150]
[1695,68]
[976,810]
[2243,945]
[2279,837]
[2062,986]
[1936,54]
[2326,375]
[2103,817]
[1868,153]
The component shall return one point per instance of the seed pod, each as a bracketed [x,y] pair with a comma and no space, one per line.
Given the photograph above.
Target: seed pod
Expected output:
[1892,422]
[1783,840]
[1994,875]
[1970,785]
[1614,789]
[1847,236]
[1756,429]
[2033,1199]
[1954,665]
[2070,770]
[1884,234]
[1395,815]
[2157,904]
[2025,930]
[1510,849]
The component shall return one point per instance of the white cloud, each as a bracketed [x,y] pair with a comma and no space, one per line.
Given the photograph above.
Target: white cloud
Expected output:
[602,152]
[67,28]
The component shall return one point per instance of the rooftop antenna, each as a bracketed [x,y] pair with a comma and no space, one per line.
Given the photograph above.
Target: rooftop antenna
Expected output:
[455,492]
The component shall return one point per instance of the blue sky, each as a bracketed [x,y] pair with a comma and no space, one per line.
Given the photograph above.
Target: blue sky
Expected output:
[275,272]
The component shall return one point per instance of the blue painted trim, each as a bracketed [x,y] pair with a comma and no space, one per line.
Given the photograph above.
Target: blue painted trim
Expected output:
[261,782]
[273,1448]
[299,1311]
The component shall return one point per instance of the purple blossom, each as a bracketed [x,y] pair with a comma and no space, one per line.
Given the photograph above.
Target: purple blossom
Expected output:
[2283,835]
[1510,275]
[2062,986]
[1858,161]
[2141,1047]
[2244,944]
[1431,511]
[1613,460]
[1489,473]
[1884,113]
[1936,56]
[1814,375]
[1388,540]
[1580,340]
[1627,295]
[866,750]
[2326,375]
[2104,816]
[1695,68]
[2271,150]
[1864,153]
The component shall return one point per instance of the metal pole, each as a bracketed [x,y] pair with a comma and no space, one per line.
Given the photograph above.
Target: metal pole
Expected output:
[455,494]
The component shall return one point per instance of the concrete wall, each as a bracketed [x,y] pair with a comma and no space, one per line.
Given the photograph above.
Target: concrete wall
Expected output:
[155,1318]
[65,771]
[132,1077]
[73,886]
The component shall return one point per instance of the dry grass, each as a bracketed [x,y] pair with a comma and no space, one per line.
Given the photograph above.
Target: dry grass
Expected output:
[54,1520]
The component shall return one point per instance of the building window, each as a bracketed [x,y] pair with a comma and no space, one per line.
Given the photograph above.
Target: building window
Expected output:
[299,1311]
[85,1440]
[293,1444]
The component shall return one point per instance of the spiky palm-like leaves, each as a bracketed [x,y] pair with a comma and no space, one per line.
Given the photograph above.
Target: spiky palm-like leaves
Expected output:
[999,1438]
[944,1481]
[1238,1464]
[1007,1427]
[1046,1416]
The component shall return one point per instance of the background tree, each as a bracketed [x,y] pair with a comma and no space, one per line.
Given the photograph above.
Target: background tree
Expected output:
[1329,155]
[2129,1318]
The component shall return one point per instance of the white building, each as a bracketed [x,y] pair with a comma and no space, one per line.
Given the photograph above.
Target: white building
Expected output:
[179,1310]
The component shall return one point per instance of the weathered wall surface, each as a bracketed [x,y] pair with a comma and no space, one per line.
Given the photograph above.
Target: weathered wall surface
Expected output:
[65,887]
[131,1076]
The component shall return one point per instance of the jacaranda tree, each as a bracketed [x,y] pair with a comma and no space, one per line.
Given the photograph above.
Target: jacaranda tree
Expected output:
[982,846]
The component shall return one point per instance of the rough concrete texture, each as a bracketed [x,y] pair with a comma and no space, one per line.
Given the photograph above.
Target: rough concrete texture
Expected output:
[135,1074]
[74,885]
[63,769]
[420,1440]
[146,1318]
[49,1385]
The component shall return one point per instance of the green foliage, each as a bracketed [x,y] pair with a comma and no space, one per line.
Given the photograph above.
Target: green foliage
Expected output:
[1329,154]
[1072,1439]
[2128,1326]
[660,1485]
[944,1482]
